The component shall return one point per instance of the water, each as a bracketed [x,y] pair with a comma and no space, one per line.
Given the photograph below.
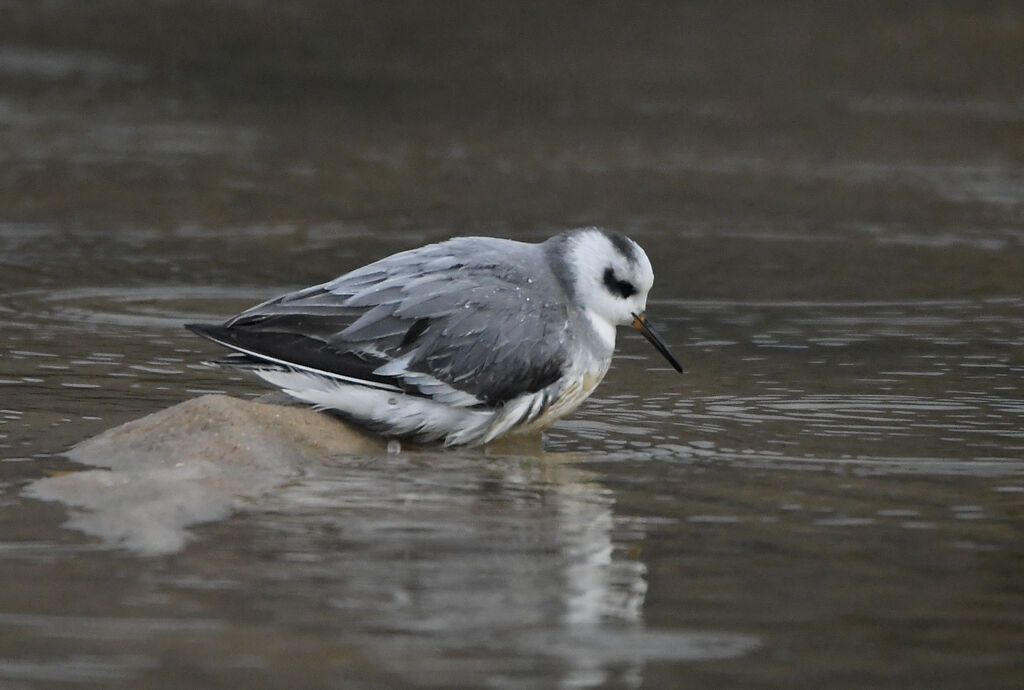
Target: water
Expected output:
[831,496]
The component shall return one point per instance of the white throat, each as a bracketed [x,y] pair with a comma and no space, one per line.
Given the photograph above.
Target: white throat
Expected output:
[604,329]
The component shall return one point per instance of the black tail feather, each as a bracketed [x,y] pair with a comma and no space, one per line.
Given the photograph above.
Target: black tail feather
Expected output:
[256,348]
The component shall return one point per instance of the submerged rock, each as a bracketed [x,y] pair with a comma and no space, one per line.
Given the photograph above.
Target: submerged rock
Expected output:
[194,462]
[237,433]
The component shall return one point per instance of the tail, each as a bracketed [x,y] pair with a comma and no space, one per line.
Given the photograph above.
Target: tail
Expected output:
[239,359]
[287,351]
[210,331]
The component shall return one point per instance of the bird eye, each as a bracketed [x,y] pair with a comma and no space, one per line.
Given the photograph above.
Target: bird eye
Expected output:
[622,288]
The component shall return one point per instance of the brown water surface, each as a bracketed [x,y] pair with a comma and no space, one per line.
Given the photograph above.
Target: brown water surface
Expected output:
[833,200]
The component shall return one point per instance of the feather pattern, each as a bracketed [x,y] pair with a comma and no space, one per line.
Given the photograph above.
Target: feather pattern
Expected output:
[452,293]
[460,341]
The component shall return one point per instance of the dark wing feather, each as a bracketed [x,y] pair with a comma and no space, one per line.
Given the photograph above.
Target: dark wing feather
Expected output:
[284,348]
[481,315]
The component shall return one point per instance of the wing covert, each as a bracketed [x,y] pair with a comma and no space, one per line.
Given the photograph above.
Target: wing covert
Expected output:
[463,313]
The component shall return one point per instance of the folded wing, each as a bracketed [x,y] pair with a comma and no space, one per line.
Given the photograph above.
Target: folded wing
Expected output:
[459,322]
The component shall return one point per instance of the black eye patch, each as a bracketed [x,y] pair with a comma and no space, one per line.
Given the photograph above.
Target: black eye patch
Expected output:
[622,288]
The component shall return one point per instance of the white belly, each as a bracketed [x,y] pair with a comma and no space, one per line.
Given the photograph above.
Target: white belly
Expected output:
[575,392]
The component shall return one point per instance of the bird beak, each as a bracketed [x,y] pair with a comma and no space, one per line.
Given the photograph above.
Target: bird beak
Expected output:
[640,323]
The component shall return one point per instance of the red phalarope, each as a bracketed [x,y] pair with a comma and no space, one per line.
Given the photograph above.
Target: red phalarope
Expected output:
[461,341]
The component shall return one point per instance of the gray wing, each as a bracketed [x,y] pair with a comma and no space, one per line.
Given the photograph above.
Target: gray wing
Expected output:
[472,321]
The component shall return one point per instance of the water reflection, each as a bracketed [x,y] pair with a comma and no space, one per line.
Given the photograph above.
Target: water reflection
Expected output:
[527,552]
[443,554]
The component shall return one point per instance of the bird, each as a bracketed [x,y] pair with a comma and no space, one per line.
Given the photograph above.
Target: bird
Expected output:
[459,342]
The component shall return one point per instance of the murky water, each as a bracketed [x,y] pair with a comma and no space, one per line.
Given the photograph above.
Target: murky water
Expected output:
[831,496]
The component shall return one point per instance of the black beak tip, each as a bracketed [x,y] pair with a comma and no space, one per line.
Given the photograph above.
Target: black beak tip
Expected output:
[640,323]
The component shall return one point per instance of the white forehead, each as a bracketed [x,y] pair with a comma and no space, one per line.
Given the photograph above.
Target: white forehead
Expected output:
[593,250]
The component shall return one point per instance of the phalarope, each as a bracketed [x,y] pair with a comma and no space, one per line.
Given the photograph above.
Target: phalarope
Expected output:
[461,341]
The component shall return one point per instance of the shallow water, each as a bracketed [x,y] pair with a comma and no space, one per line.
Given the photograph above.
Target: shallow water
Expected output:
[831,495]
